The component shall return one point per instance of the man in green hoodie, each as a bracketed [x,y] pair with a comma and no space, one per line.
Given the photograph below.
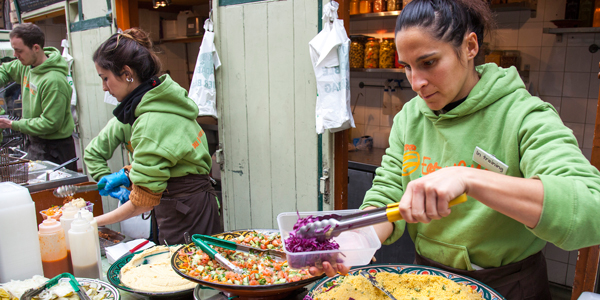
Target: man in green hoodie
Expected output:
[47,118]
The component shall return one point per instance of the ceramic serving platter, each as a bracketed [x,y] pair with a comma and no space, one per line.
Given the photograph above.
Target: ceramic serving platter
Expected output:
[250,291]
[485,291]
[111,293]
[114,277]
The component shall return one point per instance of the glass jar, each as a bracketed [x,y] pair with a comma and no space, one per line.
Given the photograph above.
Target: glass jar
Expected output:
[372,53]
[354,7]
[357,51]
[365,6]
[379,5]
[386,53]
[393,5]
[405,2]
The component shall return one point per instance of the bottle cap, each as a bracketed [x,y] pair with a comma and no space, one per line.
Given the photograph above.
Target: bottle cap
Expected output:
[50,226]
[86,214]
[69,211]
[80,224]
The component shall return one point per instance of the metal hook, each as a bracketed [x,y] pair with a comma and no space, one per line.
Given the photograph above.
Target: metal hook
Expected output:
[356,102]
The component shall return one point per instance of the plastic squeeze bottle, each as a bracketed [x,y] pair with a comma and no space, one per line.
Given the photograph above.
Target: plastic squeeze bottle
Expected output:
[66,219]
[83,248]
[20,256]
[53,248]
[89,216]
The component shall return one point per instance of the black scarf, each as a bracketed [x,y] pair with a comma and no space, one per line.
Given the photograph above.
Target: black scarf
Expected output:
[125,111]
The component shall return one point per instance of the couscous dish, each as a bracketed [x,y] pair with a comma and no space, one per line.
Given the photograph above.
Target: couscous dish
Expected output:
[402,287]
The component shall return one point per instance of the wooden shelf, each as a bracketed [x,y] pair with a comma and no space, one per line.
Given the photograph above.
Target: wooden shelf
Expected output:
[180,40]
[394,70]
[377,15]
[572,30]
[517,6]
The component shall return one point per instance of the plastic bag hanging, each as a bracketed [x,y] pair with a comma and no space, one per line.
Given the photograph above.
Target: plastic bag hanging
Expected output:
[69,59]
[203,89]
[329,53]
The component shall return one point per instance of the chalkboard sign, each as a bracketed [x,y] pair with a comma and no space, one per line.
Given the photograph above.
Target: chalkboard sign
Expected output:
[29,5]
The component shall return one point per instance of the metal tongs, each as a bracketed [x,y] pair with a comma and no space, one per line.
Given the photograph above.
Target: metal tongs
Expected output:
[212,253]
[336,224]
[239,247]
[29,294]
[70,190]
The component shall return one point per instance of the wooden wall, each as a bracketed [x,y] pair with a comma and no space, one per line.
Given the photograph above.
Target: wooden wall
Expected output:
[266,97]
[92,111]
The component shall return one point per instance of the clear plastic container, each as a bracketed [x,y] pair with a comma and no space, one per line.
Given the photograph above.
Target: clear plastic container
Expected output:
[84,253]
[357,246]
[53,248]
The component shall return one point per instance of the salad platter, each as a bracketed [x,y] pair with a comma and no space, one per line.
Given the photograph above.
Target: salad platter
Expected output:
[275,278]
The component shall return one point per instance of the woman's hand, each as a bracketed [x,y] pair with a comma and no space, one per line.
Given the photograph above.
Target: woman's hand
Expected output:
[427,198]
[329,269]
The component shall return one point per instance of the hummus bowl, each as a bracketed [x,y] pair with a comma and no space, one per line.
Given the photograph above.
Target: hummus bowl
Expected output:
[149,273]
[179,262]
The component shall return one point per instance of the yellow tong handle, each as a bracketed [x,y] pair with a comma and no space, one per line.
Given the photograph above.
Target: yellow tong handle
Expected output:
[393,213]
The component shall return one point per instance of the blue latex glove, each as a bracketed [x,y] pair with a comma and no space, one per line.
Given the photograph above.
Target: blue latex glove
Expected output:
[122,194]
[113,181]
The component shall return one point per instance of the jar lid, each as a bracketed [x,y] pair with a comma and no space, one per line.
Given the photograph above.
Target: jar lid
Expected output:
[372,39]
[387,39]
[50,226]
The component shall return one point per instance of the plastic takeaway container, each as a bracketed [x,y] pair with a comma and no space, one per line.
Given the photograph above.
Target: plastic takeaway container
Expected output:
[357,246]
[589,296]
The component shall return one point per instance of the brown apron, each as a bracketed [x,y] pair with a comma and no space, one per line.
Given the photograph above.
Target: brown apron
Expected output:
[57,151]
[188,204]
[526,279]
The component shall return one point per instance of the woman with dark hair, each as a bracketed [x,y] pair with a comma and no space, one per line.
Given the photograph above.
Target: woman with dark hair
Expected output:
[476,130]
[170,166]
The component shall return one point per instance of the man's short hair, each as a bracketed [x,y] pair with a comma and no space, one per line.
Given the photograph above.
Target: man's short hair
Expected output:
[29,33]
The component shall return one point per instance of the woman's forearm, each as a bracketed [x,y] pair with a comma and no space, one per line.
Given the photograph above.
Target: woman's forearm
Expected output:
[123,212]
[519,198]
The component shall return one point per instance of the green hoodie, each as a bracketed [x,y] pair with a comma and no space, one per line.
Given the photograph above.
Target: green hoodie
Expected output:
[102,147]
[46,96]
[503,119]
[166,139]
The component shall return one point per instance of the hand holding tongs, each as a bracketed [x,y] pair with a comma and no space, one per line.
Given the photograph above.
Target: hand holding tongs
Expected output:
[336,224]
[212,253]
[238,247]
[29,294]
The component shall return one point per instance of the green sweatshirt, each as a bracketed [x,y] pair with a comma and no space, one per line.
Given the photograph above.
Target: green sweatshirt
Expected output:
[503,119]
[166,139]
[46,96]
[102,147]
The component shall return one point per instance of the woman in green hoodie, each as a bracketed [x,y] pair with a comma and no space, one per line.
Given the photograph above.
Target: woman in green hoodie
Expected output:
[476,130]
[171,163]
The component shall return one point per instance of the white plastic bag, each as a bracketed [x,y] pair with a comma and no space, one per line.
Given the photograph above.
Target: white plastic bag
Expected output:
[203,90]
[136,227]
[69,59]
[329,52]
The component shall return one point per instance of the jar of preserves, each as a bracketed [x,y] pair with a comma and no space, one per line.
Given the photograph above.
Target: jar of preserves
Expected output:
[386,53]
[372,53]
[357,51]
[354,7]
[379,5]
[393,5]
[366,6]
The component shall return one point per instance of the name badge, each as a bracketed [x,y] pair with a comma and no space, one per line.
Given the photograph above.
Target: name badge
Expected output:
[489,161]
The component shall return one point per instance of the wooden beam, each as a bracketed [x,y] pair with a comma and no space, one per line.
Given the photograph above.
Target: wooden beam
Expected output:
[122,14]
[586,269]
[341,138]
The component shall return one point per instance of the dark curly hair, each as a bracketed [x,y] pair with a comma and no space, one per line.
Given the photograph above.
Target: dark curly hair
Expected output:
[131,48]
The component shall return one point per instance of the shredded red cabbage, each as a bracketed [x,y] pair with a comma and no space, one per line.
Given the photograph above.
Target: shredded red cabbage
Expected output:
[295,243]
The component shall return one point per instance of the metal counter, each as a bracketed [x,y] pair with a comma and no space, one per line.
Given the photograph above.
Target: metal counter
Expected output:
[38,168]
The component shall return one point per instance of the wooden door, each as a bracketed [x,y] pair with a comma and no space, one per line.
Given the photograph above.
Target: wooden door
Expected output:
[266,97]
